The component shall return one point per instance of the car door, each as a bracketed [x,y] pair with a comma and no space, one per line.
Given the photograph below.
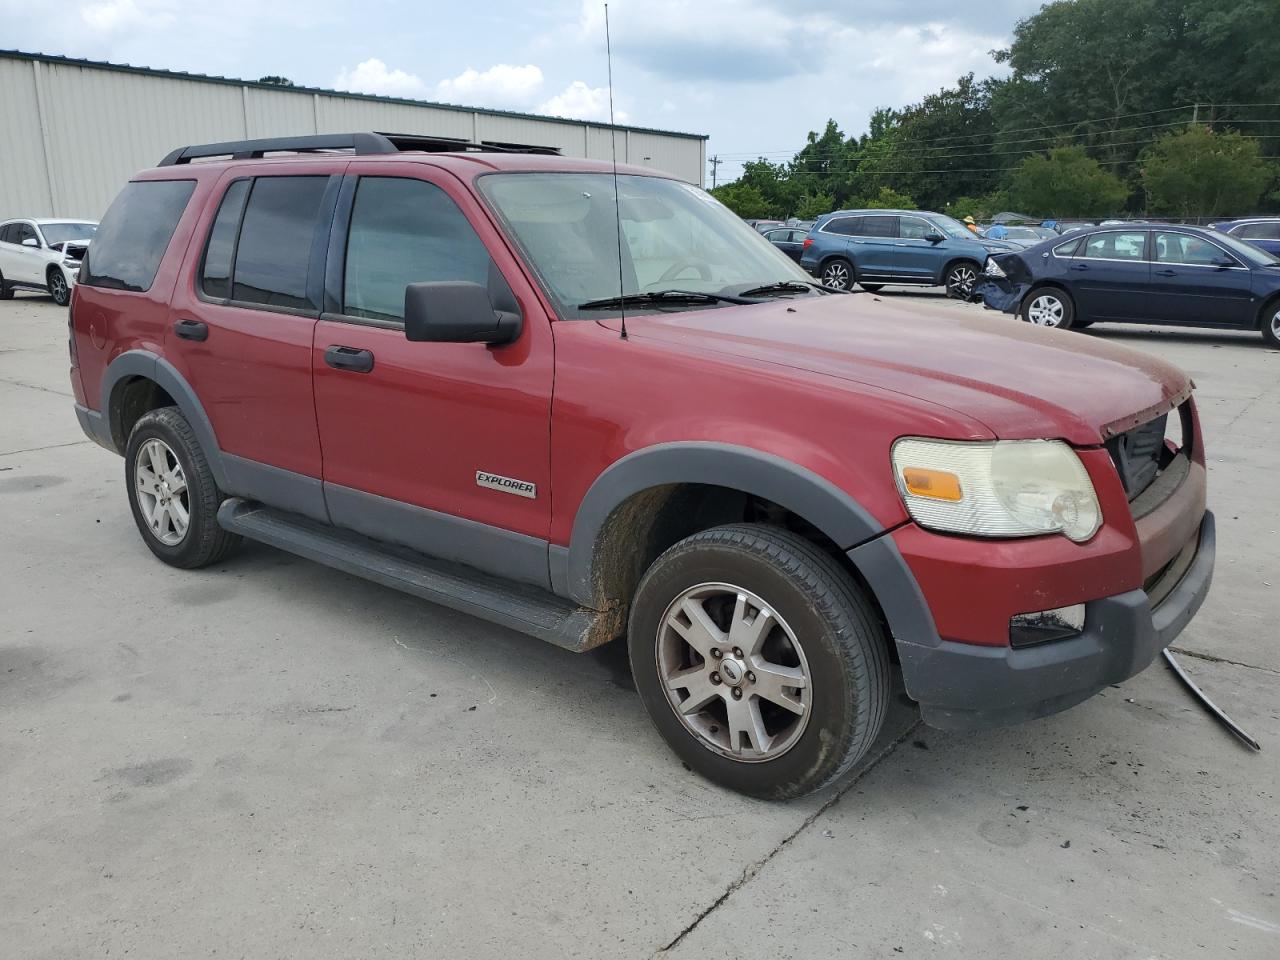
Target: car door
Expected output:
[241,328]
[916,256]
[787,240]
[26,255]
[8,240]
[414,434]
[1195,281]
[874,249]
[1110,275]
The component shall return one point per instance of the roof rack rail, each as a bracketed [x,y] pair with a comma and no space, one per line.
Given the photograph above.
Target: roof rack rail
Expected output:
[359,143]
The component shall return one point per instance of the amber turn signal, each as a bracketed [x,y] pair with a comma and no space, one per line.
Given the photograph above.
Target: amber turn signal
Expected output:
[935,484]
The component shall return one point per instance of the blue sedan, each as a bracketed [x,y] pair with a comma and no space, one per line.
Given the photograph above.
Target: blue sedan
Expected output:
[1153,273]
[1262,232]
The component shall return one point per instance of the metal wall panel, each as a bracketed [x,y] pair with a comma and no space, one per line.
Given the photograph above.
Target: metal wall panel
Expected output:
[73,132]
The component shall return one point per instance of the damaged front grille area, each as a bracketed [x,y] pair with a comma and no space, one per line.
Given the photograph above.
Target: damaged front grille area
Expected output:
[1150,463]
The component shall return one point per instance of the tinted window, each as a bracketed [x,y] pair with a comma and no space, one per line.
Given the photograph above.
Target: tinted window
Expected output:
[845,226]
[133,236]
[879,226]
[216,274]
[1115,246]
[274,252]
[913,228]
[403,232]
[8,233]
[24,231]
[777,235]
[1184,248]
[1259,231]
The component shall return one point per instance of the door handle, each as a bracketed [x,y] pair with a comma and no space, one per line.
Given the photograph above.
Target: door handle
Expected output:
[191,330]
[1166,273]
[1079,266]
[349,358]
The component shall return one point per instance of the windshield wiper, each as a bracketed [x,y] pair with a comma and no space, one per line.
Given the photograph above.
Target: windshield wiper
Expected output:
[784,286]
[673,297]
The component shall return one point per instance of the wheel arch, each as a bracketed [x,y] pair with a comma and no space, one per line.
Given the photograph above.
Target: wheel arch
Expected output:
[1269,304]
[956,261]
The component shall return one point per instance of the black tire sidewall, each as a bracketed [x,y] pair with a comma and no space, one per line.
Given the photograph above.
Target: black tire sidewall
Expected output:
[810,761]
[1068,306]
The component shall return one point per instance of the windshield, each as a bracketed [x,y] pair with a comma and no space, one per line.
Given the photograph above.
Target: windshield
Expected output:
[58,232]
[952,228]
[673,237]
[1247,251]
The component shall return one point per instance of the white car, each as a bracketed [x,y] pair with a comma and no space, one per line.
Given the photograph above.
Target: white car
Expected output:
[43,254]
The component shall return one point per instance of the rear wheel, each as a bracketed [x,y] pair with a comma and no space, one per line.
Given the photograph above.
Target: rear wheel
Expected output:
[759,660]
[960,279]
[1271,324]
[59,289]
[871,287]
[1048,307]
[837,274]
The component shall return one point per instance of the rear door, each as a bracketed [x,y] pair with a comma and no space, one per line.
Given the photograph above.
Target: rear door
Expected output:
[1110,276]
[408,429]
[788,240]
[1195,281]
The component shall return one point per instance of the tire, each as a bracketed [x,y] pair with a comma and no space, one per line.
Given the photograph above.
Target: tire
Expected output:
[1271,324]
[59,289]
[821,625]
[871,287]
[1049,307]
[960,279]
[837,274]
[166,433]
[6,291]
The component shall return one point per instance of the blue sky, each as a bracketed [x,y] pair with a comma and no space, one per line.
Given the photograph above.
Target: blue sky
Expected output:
[756,75]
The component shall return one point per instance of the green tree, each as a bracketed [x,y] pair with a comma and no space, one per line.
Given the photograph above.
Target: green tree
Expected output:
[812,206]
[888,199]
[1198,173]
[1065,182]
[276,81]
[744,200]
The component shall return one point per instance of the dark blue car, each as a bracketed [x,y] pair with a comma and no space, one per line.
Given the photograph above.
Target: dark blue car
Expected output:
[1262,232]
[1149,273]
[877,247]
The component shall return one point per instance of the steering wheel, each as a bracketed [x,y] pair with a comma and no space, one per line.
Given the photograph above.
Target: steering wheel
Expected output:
[681,266]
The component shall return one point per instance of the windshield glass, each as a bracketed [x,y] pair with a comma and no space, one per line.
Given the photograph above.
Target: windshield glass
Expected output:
[58,232]
[952,228]
[673,237]
[1250,254]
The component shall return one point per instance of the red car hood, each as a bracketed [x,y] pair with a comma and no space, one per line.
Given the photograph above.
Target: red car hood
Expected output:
[1020,381]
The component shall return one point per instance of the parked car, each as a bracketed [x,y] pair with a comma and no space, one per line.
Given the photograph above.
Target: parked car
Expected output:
[790,240]
[800,224]
[1262,232]
[1019,235]
[1161,273]
[771,489]
[1067,226]
[763,226]
[877,247]
[43,254]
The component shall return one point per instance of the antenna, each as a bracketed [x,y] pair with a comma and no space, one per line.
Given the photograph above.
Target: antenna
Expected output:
[613,142]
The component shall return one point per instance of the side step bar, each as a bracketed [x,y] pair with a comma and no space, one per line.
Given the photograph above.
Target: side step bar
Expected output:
[527,609]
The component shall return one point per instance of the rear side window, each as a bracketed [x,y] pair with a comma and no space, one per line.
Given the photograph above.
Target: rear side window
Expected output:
[845,226]
[1259,231]
[131,241]
[273,255]
[218,254]
[402,232]
[1115,246]
[879,226]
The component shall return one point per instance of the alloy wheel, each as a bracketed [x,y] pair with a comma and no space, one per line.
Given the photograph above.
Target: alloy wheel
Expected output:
[160,487]
[962,281]
[836,276]
[734,672]
[1046,310]
[58,287]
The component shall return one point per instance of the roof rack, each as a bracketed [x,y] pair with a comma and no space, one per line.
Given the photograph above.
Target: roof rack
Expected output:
[360,143]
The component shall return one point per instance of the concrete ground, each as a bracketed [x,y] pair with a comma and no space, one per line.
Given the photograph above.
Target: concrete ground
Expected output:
[272,759]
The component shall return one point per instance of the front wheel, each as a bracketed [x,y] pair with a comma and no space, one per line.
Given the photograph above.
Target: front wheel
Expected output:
[1271,324]
[837,274]
[59,289]
[759,660]
[1048,307]
[960,279]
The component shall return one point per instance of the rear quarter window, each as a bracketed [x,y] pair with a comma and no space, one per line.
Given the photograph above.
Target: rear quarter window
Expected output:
[132,239]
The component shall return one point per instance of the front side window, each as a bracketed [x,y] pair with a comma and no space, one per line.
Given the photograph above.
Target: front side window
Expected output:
[1184,248]
[25,232]
[674,237]
[132,238]
[1115,246]
[913,228]
[402,232]
[273,256]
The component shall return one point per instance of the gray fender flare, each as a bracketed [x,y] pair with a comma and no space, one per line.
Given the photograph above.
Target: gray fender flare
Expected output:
[801,491]
[142,363]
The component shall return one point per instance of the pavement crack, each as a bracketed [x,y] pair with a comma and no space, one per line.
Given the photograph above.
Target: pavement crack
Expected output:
[1210,658]
[753,869]
[32,386]
[51,446]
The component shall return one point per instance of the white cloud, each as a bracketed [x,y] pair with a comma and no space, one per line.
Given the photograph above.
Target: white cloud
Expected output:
[373,76]
[110,16]
[581,102]
[502,85]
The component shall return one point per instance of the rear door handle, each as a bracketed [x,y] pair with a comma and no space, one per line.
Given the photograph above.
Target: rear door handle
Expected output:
[349,358]
[191,330]
[1079,266]
[1166,273]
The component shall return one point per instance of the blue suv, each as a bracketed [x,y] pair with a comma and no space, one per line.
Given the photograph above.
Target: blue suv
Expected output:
[876,247]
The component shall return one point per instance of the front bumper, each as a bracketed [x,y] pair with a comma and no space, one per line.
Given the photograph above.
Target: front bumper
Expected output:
[964,686]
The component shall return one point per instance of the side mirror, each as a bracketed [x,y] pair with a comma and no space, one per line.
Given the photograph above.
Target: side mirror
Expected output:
[934,237]
[456,312]
[31,242]
[1224,263]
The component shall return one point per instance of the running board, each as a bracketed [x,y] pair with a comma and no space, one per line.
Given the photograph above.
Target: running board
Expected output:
[521,607]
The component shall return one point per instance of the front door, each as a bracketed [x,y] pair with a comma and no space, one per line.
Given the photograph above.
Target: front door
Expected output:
[1194,281]
[874,249]
[919,257]
[1110,274]
[20,258]
[418,438]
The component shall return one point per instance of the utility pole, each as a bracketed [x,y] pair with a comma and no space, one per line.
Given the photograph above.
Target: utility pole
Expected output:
[1195,114]
[715,162]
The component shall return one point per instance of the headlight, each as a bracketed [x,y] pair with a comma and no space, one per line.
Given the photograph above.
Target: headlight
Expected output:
[993,269]
[1006,488]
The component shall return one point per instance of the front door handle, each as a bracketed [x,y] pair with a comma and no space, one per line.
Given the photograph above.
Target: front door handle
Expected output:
[191,330]
[1166,273]
[349,358]
[1079,266]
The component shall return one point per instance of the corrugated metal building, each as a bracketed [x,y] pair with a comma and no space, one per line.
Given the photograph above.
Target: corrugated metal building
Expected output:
[72,131]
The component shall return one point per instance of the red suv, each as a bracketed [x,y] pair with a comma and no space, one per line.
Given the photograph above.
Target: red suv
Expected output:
[587,407]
